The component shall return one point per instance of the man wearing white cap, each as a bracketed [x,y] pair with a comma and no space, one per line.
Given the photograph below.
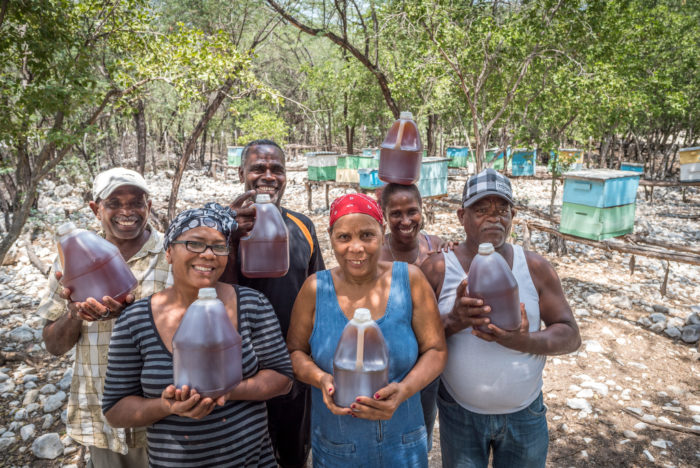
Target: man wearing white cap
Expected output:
[122,206]
[490,396]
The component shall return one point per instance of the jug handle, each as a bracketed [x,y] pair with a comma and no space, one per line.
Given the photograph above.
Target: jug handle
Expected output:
[399,135]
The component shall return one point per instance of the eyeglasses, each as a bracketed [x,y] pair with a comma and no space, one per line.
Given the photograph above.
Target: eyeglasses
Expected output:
[201,247]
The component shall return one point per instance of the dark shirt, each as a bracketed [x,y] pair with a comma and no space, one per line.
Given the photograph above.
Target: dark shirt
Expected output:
[281,292]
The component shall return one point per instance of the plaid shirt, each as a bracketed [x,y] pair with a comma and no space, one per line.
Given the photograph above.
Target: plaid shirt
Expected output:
[86,424]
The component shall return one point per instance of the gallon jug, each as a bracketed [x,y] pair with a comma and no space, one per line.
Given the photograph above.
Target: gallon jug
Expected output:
[361,361]
[401,153]
[265,250]
[491,280]
[207,348]
[92,266]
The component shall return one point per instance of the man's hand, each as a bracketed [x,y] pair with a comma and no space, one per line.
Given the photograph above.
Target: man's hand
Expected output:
[186,402]
[91,310]
[245,213]
[516,339]
[466,312]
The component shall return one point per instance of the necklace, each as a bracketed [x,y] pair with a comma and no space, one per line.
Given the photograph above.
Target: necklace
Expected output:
[393,257]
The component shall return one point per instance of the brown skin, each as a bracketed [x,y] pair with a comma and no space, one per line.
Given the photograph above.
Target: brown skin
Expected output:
[361,280]
[405,243]
[169,308]
[124,217]
[490,220]
[264,171]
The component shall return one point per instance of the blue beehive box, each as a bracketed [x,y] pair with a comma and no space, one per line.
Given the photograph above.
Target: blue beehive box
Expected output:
[458,156]
[433,177]
[369,178]
[523,162]
[601,188]
[634,167]
[374,152]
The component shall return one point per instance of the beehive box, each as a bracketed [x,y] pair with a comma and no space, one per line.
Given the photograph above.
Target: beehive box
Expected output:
[369,178]
[458,156]
[348,164]
[372,152]
[233,155]
[601,188]
[689,155]
[494,158]
[630,166]
[523,162]
[571,158]
[433,177]
[596,223]
[321,165]
[690,172]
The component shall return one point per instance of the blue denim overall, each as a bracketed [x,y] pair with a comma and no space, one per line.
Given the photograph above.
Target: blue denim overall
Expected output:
[343,441]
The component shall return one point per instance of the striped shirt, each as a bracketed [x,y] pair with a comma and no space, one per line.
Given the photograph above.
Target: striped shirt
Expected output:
[86,424]
[232,435]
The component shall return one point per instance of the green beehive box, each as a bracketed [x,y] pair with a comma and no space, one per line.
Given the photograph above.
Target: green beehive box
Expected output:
[433,177]
[321,165]
[234,155]
[595,223]
[348,164]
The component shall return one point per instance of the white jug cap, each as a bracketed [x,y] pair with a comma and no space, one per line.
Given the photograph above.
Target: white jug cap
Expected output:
[406,115]
[65,228]
[207,293]
[362,316]
[486,248]
[262,198]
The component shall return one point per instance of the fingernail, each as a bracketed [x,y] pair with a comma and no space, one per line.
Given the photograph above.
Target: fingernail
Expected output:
[376,396]
[330,389]
[357,399]
[353,406]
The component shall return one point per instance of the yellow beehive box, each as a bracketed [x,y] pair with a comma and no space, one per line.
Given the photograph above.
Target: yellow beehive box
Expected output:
[689,155]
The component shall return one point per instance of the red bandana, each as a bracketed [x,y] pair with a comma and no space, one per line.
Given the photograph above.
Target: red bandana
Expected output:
[355,203]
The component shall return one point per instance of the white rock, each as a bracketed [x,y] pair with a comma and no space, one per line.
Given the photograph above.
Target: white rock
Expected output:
[48,388]
[593,346]
[649,418]
[637,411]
[640,426]
[64,383]
[47,421]
[54,402]
[27,431]
[585,393]
[584,454]
[3,376]
[581,313]
[594,299]
[579,404]
[22,334]
[649,456]
[599,387]
[30,397]
[662,444]
[47,446]
[630,434]
[694,408]
[587,440]
[6,442]
[672,332]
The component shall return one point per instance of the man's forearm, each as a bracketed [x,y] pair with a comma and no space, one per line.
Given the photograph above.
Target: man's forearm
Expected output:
[60,336]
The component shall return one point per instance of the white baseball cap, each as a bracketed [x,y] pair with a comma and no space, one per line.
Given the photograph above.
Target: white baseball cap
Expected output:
[108,181]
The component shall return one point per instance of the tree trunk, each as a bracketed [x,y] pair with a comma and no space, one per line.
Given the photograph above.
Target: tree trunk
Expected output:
[203,147]
[140,124]
[432,124]
[190,144]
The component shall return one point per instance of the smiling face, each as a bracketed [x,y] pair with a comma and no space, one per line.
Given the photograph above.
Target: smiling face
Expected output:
[264,171]
[487,220]
[356,240]
[123,214]
[197,270]
[403,214]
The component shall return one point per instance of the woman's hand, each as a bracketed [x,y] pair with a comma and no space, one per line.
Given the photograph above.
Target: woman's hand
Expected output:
[187,403]
[328,390]
[382,405]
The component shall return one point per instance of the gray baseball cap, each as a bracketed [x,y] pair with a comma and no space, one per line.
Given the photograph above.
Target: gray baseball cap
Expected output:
[486,183]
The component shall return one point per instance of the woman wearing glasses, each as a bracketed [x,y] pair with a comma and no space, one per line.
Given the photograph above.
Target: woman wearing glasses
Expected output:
[185,429]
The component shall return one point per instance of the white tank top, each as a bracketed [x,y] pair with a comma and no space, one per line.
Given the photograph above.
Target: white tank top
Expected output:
[482,376]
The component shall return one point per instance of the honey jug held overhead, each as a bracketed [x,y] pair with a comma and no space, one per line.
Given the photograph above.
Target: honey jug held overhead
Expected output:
[401,153]
[92,266]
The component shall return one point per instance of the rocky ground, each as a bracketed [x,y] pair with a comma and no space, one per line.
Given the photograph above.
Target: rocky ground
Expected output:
[629,397]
